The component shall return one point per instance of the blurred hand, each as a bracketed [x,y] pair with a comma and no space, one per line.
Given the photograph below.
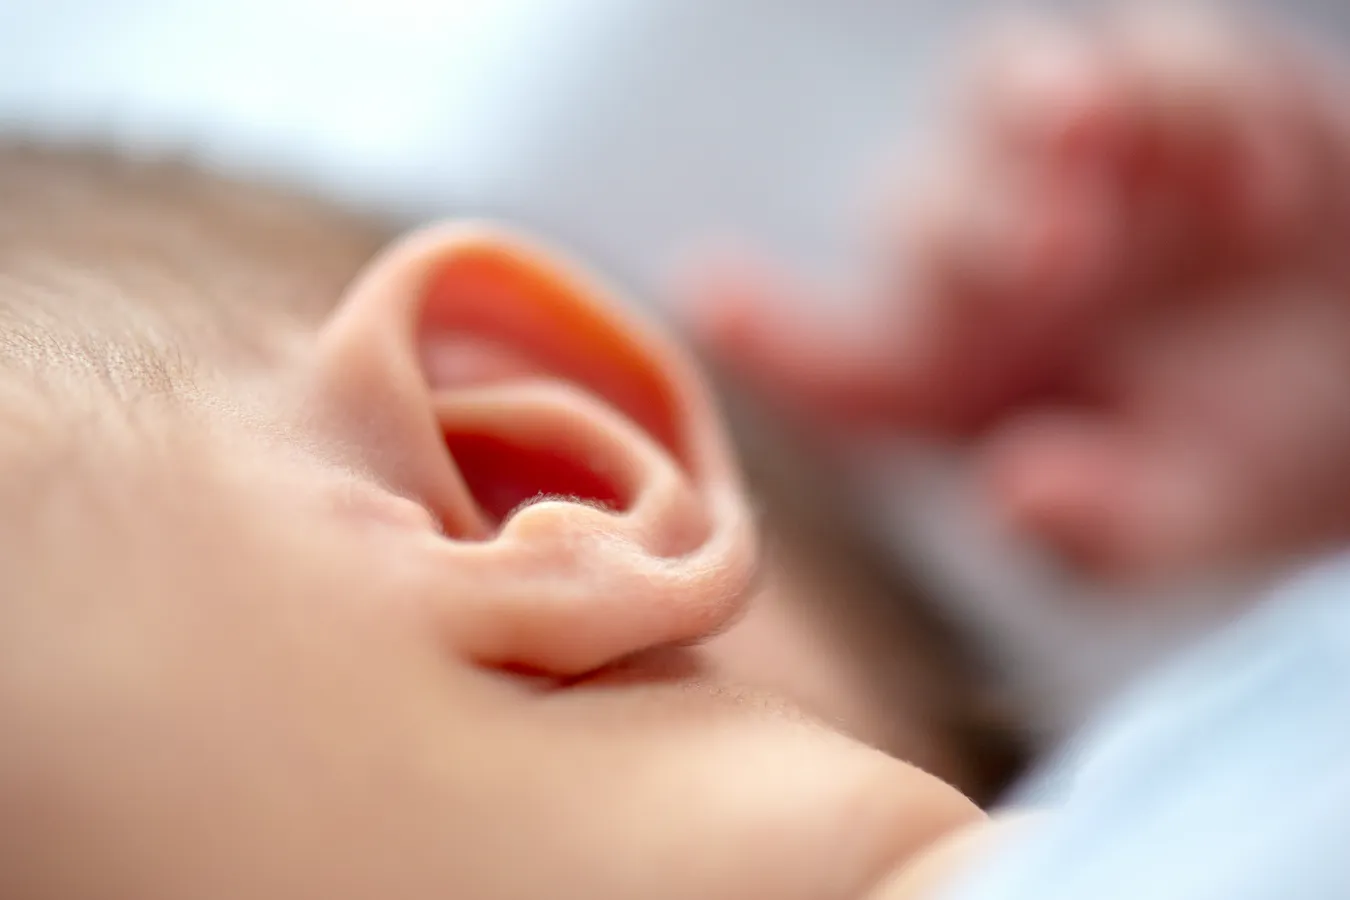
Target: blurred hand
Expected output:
[1124,287]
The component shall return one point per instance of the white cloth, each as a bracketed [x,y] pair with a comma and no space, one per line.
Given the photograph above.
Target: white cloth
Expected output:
[1224,777]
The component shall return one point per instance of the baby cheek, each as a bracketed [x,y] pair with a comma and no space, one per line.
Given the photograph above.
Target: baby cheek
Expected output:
[783,645]
[932,872]
[729,793]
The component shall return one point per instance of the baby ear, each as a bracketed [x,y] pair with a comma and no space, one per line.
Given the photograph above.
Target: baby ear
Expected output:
[590,505]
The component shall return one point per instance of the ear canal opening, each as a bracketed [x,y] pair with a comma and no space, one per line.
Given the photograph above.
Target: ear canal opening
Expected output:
[504,476]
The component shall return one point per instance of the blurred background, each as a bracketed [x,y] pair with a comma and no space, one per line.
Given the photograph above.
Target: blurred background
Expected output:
[631,130]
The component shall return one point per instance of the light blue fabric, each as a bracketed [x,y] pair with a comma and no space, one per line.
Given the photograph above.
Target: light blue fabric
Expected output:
[1225,777]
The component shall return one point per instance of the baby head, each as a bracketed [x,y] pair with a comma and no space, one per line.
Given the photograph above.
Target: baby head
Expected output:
[335,567]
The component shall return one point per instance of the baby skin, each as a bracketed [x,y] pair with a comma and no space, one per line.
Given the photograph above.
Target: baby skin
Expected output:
[1125,289]
[345,568]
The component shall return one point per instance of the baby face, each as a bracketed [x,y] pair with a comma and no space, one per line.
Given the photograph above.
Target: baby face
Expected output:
[412,609]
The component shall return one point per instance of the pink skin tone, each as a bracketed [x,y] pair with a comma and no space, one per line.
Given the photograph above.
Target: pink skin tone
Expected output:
[351,678]
[1125,289]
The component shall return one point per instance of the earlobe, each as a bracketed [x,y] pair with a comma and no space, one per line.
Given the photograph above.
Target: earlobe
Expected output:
[573,456]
